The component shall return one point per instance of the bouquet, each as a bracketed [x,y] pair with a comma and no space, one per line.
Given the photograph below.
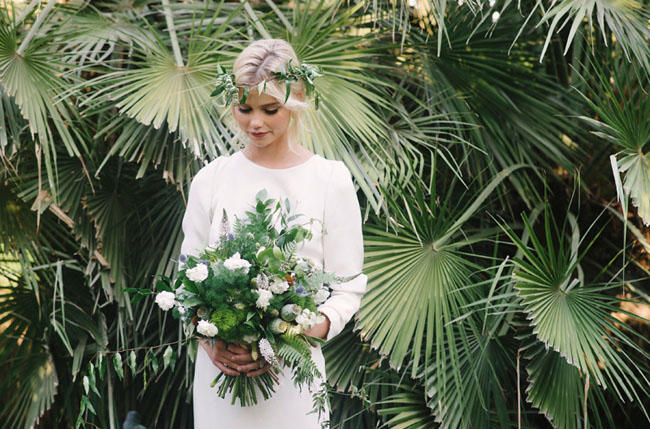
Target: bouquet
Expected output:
[251,288]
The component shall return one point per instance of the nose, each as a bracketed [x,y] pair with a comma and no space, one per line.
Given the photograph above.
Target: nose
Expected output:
[256,121]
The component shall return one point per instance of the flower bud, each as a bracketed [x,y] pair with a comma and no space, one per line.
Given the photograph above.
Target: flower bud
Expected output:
[289,312]
[278,326]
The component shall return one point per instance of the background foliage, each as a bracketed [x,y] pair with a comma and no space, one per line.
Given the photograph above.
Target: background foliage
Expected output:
[501,155]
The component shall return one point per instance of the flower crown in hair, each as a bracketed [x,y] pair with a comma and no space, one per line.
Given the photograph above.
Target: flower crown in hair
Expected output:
[225,83]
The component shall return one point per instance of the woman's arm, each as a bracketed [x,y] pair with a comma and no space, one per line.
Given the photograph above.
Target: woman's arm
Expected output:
[342,249]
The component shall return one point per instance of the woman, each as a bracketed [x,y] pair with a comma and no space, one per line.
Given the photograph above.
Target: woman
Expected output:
[318,188]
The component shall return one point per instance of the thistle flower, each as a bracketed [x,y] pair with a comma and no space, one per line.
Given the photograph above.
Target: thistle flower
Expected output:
[165,300]
[300,290]
[266,350]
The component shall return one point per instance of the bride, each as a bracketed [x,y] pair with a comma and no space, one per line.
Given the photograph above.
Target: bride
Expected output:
[273,159]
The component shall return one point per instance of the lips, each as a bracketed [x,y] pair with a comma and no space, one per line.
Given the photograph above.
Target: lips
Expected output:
[258,135]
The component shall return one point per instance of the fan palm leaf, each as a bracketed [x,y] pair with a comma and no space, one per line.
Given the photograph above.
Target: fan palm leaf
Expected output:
[572,317]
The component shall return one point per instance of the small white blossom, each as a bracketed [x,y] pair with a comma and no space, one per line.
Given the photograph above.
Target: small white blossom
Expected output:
[294,330]
[207,328]
[264,298]
[492,2]
[181,310]
[495,16]
[461,2]
[235,262]
[198,273]
[262,281]
[266,350]
[321,296]
[240,306]
[165,300]
[279,286]
[308,319]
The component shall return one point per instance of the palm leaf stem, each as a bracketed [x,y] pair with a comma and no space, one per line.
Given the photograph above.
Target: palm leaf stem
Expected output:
[172,34]
[35,27]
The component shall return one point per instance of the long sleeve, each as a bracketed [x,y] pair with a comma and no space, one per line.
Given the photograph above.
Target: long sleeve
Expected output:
[197,218]
[342,249]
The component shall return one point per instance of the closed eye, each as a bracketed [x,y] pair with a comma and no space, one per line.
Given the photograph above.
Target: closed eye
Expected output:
[270,111]
[244,110]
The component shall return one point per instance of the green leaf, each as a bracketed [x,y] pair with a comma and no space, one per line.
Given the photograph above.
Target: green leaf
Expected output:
[132,362]
[168,357]
[117,364]
[86,383]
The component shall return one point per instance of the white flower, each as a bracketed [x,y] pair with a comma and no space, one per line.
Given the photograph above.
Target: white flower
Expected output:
[461,2]
[165,300]
[262,281]
[279,286]
[235,262]
[308,319]
[492,2]
[495,16]
[207,328]
[240,306]
[321,296]
[181,310]
[294,330]
[264,298]
[198,273]
[266,350]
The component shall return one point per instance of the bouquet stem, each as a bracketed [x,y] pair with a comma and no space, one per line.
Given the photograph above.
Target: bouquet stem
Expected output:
[244,388]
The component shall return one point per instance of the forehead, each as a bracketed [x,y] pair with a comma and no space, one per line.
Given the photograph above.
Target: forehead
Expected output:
[255,99]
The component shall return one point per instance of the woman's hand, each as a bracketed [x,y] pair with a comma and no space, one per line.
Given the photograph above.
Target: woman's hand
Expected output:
[321,330]
[233,359]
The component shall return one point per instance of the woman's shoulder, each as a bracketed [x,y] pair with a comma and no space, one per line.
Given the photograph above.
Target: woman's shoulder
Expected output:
[212,168]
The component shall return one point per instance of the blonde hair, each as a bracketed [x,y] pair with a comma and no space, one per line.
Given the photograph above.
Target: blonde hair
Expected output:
[254,65]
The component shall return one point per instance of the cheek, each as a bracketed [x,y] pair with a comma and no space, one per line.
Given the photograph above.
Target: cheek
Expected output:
[241,119]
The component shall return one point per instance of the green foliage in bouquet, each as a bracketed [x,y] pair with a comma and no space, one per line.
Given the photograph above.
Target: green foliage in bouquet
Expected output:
[251,288]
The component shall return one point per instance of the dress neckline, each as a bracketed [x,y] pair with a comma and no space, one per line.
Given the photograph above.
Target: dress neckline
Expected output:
[256,165]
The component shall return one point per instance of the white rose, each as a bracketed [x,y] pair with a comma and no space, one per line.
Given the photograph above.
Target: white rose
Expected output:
[264,298]
[321,296]
[207,328]
[198,273]
[279,286]
[165,300]
[235,262]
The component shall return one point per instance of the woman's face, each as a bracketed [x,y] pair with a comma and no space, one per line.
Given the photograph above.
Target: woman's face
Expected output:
[264,120]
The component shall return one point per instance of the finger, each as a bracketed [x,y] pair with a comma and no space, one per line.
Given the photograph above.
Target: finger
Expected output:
[260,371]
[237,349]
[244,358]
[225,369]
[253,366]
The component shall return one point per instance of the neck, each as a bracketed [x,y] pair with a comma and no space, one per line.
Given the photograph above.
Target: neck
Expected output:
[276,156]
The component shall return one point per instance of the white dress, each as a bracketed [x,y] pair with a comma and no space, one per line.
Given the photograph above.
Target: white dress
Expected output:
[317,188]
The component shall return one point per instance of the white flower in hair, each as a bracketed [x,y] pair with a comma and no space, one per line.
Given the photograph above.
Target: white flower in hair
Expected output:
[235,262]
[266,350]
[207,328]
[165,300]
[198,273]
